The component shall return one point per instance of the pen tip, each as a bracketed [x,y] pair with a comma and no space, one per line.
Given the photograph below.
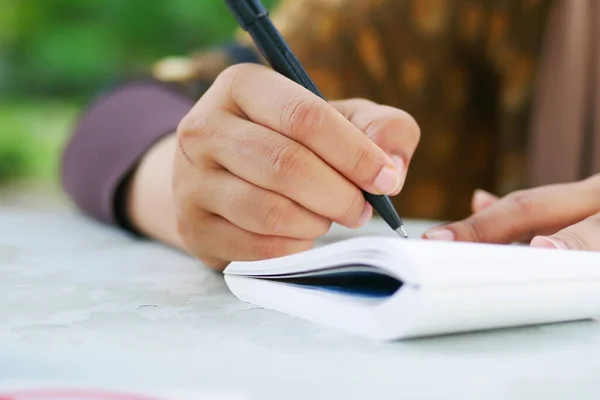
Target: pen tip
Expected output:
[402,232]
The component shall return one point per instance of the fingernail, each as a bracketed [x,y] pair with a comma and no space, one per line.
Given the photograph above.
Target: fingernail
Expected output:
[440,234]
[387,182]
[366,216]
[483,199]
[548,243]
[400,170]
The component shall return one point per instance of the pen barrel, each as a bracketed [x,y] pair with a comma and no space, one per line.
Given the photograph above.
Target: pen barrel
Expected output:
[284,61]
[385,208]
[246,12]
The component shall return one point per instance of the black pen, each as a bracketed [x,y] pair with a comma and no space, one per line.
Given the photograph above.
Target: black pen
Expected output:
[253,17]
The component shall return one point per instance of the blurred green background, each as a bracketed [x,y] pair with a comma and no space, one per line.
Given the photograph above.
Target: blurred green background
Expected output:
[56,54]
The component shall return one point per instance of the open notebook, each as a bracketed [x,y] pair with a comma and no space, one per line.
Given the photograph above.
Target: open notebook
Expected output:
[389,288]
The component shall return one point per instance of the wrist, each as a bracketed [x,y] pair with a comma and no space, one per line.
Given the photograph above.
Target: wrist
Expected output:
[148,196]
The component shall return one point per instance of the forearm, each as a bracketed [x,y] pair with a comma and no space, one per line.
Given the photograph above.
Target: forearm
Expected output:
[149,201]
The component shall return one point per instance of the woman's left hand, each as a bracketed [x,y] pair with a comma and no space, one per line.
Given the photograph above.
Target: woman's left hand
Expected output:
[563,216]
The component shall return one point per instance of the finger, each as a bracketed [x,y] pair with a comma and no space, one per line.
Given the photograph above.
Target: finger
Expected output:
[522,215]
[393,130]
[482,200]
[584,235]
[273,101]
[274,162]
[216,242]
[258,210]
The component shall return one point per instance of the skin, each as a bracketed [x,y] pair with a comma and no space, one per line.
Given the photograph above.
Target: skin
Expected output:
[564,216]
[261,167]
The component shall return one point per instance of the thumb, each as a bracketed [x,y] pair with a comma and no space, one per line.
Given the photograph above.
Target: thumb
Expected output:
[584,235]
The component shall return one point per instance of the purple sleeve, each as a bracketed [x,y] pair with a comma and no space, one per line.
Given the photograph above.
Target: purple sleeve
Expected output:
[111,137]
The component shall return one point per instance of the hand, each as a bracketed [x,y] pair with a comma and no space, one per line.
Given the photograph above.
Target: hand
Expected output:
[565,216]
[263,167]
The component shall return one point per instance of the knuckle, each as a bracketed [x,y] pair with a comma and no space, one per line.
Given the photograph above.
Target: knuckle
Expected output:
[275,214]
[288,162]
[376,128]
[235,250]
[303,117]
[362,161]
[395,121]
[231,75]
[234,200]
[523,201]
[185,127]
[573,240]
[474,230]
[195,125]
[351,211]
[231,80]
[270,248]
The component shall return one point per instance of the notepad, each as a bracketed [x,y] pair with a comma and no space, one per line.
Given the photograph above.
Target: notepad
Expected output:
[389,288]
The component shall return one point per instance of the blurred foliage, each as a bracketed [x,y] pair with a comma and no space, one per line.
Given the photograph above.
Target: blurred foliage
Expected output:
[71,47]
[32,137]
[55,54]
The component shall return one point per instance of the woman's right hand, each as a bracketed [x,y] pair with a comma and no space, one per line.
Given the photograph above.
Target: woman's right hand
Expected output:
[263,167]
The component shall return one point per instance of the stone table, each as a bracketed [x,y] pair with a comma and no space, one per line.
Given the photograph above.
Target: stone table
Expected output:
[88,305]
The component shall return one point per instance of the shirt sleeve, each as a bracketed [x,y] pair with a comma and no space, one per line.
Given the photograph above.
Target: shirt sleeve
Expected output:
[110,138]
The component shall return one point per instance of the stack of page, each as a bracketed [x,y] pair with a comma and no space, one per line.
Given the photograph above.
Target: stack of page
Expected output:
[390,288]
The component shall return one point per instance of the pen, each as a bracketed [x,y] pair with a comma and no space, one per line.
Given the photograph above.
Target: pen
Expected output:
[253,17]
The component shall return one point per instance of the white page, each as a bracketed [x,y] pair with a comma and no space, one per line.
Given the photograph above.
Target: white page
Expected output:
[438,263]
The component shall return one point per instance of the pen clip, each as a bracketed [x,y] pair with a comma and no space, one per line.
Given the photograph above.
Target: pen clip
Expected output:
[247,11]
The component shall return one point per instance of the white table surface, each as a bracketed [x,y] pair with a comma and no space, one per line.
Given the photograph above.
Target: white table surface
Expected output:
[85,304]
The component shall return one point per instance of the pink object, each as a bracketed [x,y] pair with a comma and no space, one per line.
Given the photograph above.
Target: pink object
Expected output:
[70,394]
